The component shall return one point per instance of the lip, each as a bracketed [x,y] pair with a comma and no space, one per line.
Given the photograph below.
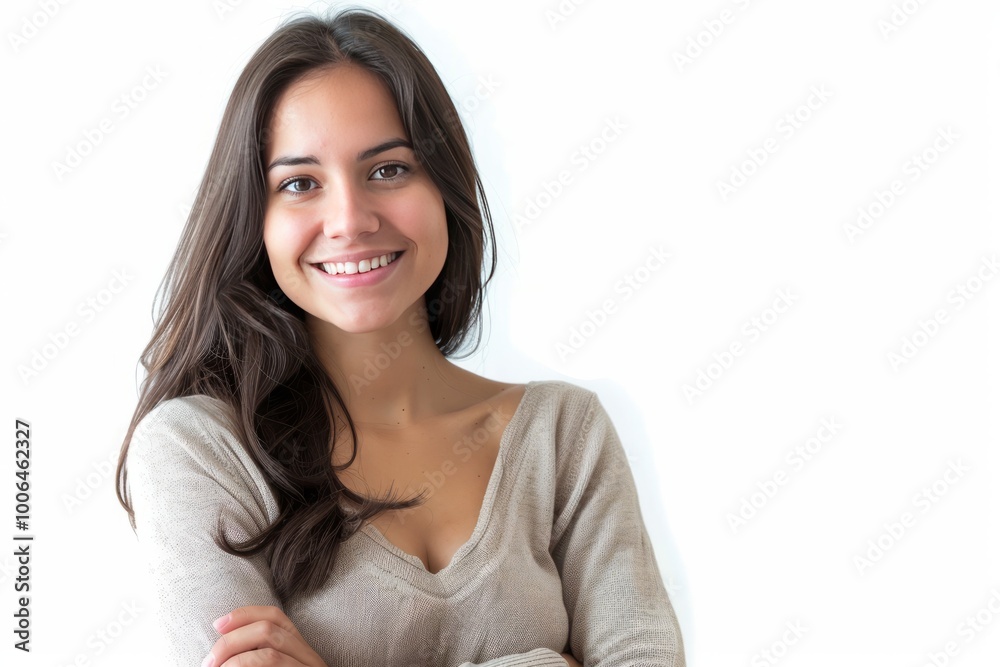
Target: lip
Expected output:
[372,277]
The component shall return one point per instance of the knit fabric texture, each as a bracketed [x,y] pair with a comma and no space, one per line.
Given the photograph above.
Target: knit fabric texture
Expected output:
[559,561]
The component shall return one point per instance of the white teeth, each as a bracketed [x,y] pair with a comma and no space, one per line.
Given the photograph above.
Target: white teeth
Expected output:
[364,266]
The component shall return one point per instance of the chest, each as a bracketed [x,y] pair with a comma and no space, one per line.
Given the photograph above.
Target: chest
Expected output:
[450,462]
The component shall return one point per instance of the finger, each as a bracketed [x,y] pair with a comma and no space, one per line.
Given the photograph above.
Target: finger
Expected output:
[265,657]
[570,660]
[252,613]
[257,636]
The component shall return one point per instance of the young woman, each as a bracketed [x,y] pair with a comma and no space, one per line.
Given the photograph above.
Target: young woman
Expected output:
[313,481]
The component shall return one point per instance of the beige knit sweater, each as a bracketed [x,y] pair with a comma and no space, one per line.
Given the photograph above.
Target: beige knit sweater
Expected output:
[559,561]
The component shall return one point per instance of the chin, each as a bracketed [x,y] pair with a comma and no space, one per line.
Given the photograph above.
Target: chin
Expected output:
[362,324]
[360,327]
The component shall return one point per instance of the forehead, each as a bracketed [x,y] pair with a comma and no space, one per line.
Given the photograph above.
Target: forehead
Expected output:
[342,107]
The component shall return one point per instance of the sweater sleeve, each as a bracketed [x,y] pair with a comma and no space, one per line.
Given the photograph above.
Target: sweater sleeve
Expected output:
[620,613]
[540,657]
[184,470]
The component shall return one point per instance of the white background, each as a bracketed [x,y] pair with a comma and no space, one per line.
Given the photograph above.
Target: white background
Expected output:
[677,130]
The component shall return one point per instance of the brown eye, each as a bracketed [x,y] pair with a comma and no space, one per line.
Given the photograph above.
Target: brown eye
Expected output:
[296,185]
[388,172]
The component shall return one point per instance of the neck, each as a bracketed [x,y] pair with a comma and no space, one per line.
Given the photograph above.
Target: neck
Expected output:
[393,377]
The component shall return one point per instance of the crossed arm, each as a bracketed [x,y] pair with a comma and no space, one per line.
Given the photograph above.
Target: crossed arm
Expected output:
[181,477]
[263,636]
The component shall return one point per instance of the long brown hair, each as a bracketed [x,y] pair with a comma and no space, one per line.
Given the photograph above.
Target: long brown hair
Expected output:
[226,330]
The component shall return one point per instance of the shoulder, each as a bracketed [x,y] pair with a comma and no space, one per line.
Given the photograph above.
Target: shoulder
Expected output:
[184,460]
[541,408]
[195,413]
[193,427]
[180,408]
[570,399]
[583,432]
[566,406]
[567,411]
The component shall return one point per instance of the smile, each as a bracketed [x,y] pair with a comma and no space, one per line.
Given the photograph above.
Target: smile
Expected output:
[363,266]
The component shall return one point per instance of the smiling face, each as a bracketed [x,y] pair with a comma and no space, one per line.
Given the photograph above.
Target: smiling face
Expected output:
[344,183]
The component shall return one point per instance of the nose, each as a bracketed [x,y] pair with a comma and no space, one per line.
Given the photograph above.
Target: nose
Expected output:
[348,212]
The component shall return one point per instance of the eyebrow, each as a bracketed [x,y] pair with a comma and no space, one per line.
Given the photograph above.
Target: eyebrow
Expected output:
[382,147]
[363,155]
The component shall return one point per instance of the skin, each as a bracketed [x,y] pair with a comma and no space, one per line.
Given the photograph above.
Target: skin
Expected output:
[334,204]
[385,201]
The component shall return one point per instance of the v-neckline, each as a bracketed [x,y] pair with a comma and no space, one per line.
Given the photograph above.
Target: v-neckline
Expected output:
[485,510]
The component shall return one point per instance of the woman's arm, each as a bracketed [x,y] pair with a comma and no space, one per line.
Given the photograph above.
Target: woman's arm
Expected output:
[540,657]
[183,471]
[620,614]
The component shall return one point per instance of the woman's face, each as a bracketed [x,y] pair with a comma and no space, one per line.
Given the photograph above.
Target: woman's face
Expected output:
[343,183]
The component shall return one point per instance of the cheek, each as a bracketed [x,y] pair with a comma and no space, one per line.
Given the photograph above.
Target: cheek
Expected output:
[283,246]
[272,242]
[441,225]
[428,216]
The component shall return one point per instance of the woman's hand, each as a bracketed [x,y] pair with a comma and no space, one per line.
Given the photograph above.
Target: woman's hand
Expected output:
[570,660]
[260,636]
